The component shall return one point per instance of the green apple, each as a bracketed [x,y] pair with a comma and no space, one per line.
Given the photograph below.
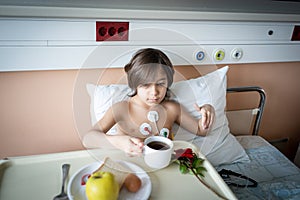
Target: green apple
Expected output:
[102,186]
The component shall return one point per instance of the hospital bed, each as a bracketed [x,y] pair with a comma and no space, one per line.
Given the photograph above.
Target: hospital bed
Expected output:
[234,144]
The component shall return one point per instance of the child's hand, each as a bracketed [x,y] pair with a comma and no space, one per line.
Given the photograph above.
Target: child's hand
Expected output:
[208,115]
[136,146]
[132,146]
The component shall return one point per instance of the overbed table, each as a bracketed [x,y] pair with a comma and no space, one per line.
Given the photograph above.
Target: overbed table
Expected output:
[40,176]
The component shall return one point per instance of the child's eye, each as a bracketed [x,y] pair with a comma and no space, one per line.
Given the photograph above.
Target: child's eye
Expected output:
[145,85]
[163,84]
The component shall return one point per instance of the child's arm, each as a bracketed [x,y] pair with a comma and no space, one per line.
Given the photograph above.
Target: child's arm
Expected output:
[199,127]
[96,137]
[130,145]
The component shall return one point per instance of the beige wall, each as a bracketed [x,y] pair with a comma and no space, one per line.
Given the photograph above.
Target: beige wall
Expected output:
[36,112]
[47,111]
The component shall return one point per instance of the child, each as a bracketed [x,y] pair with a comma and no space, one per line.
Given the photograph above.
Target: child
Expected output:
[148,110]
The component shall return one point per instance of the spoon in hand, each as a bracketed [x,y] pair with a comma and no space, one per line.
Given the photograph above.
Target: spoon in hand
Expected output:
[63,195]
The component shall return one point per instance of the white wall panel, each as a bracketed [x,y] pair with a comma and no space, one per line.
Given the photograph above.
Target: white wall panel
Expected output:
[46,29]
[147,31]
[53,58]
[42,58]
[211,32]
[43,44]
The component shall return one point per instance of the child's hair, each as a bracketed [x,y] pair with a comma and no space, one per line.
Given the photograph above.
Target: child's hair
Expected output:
[144,66]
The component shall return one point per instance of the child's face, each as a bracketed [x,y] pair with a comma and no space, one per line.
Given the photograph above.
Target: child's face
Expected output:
[153,93]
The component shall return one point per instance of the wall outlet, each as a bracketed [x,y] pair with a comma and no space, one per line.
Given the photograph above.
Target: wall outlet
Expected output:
[296,34]
[112,31]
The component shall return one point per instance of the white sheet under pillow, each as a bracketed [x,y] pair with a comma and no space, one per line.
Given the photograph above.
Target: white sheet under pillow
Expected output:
[219,146]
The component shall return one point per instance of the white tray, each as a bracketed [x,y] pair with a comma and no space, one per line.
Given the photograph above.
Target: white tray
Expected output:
[39,177]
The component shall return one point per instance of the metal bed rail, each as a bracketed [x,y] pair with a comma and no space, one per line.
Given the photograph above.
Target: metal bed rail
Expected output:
[260,106]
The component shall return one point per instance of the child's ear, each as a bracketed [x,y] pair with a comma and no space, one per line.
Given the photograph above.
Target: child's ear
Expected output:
[132,93]
[168,93]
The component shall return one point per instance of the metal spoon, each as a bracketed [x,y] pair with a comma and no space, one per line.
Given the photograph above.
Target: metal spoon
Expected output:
[63,195]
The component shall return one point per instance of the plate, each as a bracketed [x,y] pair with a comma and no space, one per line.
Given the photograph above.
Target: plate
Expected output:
[76,191]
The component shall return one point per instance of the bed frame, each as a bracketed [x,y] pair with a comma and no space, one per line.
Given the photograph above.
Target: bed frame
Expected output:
[255,113]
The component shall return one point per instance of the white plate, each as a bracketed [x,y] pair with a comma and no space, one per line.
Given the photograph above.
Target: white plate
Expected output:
[76,191]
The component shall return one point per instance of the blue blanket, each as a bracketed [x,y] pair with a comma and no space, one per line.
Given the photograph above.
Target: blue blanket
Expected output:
[277,177]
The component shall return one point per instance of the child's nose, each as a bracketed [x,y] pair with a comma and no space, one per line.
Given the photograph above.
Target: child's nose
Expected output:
[154,89]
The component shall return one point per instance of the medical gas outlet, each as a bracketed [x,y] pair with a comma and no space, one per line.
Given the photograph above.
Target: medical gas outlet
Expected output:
[237,54]
[219,54]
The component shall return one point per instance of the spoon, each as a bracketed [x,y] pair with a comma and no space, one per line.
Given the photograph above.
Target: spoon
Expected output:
[63,195]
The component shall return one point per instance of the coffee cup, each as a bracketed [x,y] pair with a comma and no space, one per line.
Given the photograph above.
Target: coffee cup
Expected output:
[158,151]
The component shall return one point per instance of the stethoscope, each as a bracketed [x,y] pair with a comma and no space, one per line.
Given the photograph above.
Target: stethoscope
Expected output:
[146,129]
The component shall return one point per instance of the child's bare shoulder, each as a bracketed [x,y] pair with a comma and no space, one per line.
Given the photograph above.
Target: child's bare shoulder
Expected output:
[170,104]
[120,106]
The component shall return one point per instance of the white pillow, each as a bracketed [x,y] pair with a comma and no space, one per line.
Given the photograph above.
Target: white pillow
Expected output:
[219,146]
[103,97]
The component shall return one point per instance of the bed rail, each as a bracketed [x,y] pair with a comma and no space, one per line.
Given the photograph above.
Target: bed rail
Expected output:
[261,105]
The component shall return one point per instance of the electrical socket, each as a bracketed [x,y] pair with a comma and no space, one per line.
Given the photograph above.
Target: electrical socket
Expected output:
[112,31]
[296,34]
